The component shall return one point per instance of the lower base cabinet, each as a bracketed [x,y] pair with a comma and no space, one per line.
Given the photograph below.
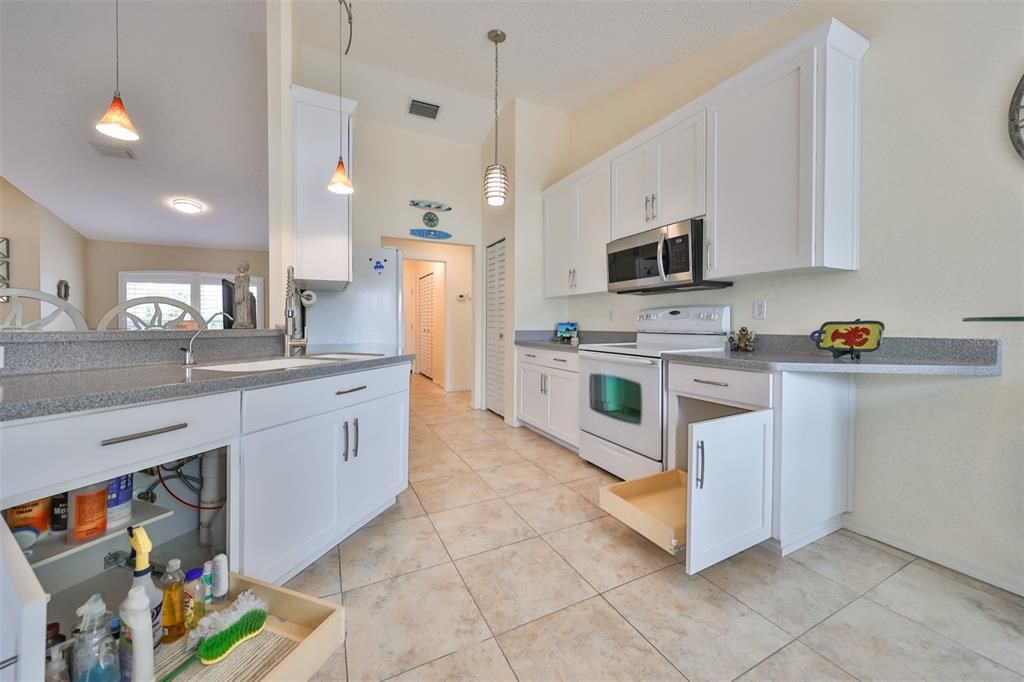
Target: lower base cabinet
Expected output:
[548,395]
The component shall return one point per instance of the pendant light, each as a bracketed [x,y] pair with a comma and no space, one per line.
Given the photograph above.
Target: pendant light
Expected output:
[496,176]
[340,182]
[115,123]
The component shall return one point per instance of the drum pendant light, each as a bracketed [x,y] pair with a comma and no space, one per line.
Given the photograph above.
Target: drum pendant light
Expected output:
[340,182]
[115,123]
[496,182]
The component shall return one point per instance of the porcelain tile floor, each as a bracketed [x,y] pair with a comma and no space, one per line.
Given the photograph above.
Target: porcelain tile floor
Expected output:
[495,564]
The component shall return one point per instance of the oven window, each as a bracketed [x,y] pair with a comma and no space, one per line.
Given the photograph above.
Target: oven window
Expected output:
[615,397]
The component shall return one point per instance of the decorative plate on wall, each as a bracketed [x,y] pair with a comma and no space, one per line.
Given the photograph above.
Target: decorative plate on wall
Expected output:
[430,219]
[430,234]
[1016,122]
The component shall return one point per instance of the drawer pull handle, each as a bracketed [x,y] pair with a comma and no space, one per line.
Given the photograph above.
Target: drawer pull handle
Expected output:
[355,450]
[700,465]
[723,384]
[143,434]
[559,359]
[349,390]
[344,455]
[8,662]
[529,355]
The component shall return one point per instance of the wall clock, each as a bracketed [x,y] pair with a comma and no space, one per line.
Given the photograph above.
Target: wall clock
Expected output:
[430,219]
[1016,123]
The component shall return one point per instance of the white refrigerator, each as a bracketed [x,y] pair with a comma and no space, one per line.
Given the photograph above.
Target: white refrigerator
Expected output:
[367,315]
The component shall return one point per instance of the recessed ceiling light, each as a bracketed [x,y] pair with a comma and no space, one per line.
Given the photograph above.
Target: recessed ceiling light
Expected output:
[187,206]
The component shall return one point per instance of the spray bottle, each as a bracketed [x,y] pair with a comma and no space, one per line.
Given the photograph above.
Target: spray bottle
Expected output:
[143,576]
[56,666]
[136,633]
[95,655]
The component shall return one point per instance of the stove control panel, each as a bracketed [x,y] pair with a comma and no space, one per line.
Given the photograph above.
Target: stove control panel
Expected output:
[687,319]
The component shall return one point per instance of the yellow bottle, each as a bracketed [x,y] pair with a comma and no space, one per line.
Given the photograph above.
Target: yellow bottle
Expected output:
[195,606]
[173,584]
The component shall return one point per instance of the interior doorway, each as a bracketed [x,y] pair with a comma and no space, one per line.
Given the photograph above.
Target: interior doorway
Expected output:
[423,312]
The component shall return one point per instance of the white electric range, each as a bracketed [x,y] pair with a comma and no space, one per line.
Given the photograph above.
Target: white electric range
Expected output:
[622,396]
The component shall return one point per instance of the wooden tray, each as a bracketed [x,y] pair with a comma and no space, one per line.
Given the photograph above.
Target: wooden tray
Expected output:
[654,506]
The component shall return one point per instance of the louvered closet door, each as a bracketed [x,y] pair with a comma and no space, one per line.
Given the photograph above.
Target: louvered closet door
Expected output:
[425,322]
[495,339]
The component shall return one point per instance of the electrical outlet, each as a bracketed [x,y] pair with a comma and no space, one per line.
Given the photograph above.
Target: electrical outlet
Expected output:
[761,309]
[611,315]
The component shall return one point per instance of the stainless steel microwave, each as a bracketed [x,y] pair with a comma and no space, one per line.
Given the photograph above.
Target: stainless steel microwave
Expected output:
[663,259]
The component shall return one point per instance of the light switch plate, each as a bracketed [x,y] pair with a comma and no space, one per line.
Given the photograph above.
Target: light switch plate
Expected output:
[760,309]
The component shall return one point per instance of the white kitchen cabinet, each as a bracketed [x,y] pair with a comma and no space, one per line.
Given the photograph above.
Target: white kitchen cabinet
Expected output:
[576,232]
[548,393]
[291,480]
[783,164]
[661,181]
[376,468]
[322,219]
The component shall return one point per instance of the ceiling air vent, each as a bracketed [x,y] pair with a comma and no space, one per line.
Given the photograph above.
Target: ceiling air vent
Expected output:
[115,152]
[424,109]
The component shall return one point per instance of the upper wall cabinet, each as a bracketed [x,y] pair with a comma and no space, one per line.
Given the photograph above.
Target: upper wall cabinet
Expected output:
[322,220]
[661,181]
[576,231]
[783,162]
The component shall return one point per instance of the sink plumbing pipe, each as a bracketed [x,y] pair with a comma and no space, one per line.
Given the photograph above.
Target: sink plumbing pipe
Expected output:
[212,493]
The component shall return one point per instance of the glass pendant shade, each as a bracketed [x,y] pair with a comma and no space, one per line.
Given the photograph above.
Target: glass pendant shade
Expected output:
[340,182]
[496,185]
[115,123]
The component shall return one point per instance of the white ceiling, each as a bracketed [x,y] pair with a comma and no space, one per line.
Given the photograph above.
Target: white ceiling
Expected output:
[561,53]
[193,78]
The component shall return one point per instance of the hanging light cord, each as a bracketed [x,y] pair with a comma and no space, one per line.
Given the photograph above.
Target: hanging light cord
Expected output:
[341,71]
[495,102]
[117,51]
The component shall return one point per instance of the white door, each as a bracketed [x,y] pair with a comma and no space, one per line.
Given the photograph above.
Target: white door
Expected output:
[560,218]
[375,471]
[594,233]
[290,475]
[679,180]
[631,197]
[563,405]
[425,325]
[729,501]
[22,614]
[760,176]
[533,399]
[323,250]
[495,330]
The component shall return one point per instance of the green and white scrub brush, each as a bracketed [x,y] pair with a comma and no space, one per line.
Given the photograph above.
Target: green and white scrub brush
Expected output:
[219,633]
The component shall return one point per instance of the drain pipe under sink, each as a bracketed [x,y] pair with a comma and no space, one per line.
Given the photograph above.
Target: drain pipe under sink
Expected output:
[212,494]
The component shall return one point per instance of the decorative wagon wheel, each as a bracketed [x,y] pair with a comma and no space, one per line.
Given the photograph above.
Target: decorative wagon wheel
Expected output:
[14,319]
[155,321]
[1016,122]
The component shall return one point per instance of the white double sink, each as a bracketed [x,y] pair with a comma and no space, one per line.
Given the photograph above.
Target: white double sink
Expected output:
[290,363]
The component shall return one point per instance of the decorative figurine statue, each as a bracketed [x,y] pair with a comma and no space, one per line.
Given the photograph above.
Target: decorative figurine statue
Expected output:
[245,303]
[742,341]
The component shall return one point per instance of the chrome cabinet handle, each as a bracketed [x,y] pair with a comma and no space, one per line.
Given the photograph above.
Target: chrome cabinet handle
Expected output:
[143,434]
[723,384]
[654,205]
[707,255]
[345,391]
[700,465]
[529,355]
[544,384]
[344,455]
[355,425]
[647,208]
[559,359]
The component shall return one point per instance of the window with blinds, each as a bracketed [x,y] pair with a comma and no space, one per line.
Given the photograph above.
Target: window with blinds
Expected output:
[201,290]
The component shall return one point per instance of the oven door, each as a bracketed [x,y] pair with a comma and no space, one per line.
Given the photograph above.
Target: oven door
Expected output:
[620,400]
[663,257]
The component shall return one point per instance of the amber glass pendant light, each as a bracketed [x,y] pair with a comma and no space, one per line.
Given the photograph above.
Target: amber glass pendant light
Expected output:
[116,123]
[340,182]
[496,184]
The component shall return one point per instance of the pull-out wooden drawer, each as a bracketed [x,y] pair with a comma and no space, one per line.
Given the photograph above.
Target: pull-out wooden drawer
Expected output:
[728,386]
[654,506]
[555,359]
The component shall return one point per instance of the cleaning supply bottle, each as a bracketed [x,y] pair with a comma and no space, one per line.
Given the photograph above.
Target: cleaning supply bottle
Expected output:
[136,645]
[87,513]
[208,583]
[195,605]
[95,655]
[143,576]
[56,667]
[173,584]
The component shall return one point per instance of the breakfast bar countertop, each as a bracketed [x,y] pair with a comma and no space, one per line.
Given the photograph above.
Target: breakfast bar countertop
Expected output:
[36,395]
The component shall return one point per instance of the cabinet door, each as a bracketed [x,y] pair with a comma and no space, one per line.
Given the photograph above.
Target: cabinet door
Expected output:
[563,406]
[631,210]
[678,189]
[290,488]
[760,168]
[560,218]
[533,401]
[323,253]
[377,468]
[729,500]
[594,232]
[22,614]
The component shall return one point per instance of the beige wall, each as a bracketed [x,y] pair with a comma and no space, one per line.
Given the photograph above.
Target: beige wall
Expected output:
[61,256]
[458,317]
[19,222]
[939,461]
[105,259]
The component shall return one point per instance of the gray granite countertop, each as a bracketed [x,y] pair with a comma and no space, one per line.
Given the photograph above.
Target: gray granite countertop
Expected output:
[37,395]
[547,345]
[545,340]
